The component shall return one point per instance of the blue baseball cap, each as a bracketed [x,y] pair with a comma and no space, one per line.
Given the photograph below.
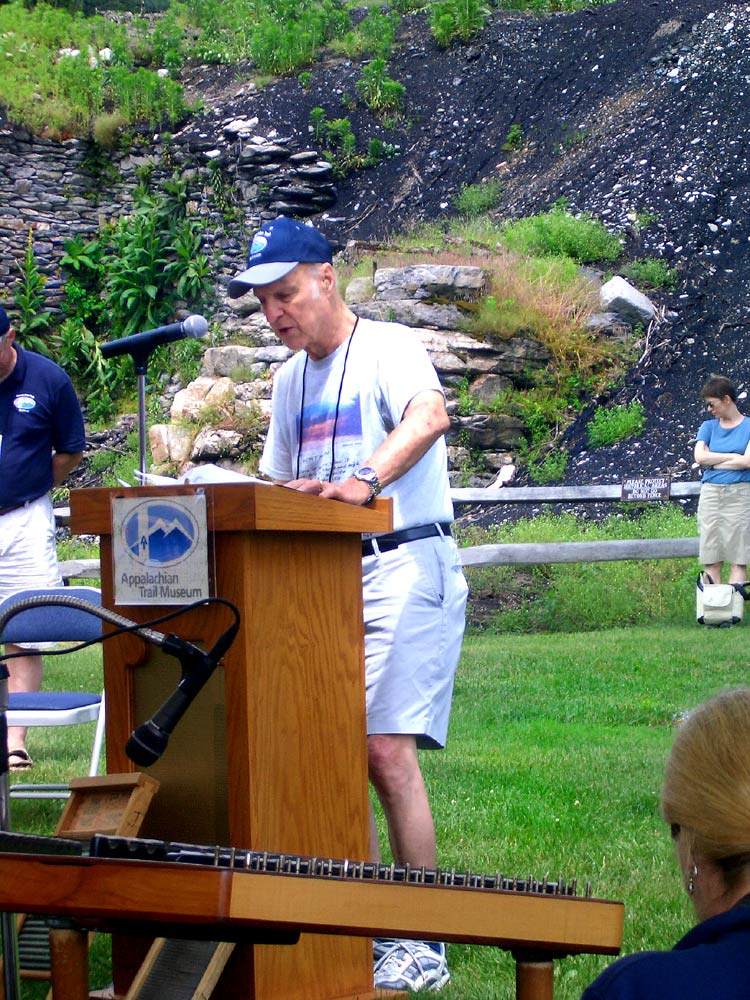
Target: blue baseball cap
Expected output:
[4,322]
[277,248]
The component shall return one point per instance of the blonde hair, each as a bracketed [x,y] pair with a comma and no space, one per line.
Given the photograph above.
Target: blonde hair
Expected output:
[706,788]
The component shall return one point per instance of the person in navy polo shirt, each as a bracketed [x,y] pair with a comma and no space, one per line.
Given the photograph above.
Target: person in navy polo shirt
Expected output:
[42,439]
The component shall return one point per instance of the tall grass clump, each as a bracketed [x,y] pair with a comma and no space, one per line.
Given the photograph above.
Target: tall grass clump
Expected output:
[456,20]
[560,233]
[280,37]
[381,93]
[374,36]
[59,72]
[547,299]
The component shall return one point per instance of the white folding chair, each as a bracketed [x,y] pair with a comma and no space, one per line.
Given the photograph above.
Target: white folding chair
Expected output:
[54,623]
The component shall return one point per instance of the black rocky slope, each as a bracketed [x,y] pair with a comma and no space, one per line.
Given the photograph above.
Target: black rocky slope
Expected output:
[633,111]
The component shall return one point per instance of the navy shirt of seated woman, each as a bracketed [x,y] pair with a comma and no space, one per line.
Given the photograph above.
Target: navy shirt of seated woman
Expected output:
[706,802]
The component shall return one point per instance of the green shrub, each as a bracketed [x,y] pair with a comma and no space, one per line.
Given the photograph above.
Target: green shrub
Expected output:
[456,19]
[128,279]
[380,93]
[378,32]
[616,423]
[513,139]
[33,322]
[652,272]
[551,469]
[340,144]
[558,232]
[476,199]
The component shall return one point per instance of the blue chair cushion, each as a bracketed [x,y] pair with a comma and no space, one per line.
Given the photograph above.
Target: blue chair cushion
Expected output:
[50,701]
[53,622]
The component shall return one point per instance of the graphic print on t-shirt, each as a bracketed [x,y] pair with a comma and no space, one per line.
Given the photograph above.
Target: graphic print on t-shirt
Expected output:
[331,442]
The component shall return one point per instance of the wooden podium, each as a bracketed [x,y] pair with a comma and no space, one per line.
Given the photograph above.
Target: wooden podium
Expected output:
[272,754]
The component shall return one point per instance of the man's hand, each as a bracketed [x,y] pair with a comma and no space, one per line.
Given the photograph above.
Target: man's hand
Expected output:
[351,490]
[305,486]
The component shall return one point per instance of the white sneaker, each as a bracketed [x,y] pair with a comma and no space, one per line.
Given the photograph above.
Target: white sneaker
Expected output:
[410,966]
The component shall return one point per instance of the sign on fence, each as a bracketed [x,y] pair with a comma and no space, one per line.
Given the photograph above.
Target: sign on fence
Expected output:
[656,488]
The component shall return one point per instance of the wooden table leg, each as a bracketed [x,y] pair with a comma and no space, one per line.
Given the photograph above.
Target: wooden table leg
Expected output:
[534,977]
[69,954]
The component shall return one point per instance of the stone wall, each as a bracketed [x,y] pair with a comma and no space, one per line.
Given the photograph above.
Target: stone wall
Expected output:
[57,190]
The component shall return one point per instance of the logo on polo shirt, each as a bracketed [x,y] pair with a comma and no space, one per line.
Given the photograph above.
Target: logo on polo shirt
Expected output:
[24,402]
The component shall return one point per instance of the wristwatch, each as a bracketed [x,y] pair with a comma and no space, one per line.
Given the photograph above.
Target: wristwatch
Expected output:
[369,476]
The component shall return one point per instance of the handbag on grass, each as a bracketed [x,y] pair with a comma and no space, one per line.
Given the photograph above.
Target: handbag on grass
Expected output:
[719,603]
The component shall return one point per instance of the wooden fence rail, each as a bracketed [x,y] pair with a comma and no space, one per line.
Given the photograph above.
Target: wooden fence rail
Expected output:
[528,554]
[560,494]
[523,554]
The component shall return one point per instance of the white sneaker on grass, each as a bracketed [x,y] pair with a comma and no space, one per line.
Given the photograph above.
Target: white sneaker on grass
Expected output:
[410,965]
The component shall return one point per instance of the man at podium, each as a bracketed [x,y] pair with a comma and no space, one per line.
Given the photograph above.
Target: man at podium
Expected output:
[357,411]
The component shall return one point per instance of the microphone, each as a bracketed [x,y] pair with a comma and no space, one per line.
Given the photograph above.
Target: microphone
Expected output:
[140,344]
[149,741]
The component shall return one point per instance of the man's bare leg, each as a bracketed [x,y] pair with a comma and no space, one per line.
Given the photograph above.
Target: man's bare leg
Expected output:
[25,675]
[397,779]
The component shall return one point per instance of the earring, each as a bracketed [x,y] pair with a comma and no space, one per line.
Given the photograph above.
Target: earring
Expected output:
[691,880]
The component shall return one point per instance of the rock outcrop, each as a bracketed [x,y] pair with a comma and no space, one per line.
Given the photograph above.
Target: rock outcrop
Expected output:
[233,395]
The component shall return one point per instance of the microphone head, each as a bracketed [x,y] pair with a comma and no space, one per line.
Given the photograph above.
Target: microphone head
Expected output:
[195,326]
[146,744]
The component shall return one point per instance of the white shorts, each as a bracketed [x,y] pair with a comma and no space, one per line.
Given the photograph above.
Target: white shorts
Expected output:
[28,555]
[415,604]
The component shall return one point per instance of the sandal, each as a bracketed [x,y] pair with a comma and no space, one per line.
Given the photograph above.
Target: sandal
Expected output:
[19,760]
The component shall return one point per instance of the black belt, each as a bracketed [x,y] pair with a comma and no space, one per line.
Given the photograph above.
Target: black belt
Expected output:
[386,543]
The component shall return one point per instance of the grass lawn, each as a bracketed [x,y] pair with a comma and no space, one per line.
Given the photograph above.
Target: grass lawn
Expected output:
[554,764]
[553,767]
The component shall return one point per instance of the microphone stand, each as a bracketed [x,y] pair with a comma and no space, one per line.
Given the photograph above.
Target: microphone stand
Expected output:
[140,359]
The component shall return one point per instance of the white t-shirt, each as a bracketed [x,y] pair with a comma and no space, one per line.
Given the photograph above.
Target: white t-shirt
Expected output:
[350,401]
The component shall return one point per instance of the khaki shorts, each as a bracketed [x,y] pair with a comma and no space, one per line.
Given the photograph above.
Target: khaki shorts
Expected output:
[724,523]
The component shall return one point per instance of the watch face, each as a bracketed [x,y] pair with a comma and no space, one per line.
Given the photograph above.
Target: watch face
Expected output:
[369,476]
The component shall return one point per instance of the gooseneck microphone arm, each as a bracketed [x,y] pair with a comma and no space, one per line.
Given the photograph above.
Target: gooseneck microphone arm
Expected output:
[149,741]
[197,667]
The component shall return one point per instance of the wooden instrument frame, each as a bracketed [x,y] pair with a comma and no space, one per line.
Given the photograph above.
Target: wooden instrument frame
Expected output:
[179,899]
[272,755]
